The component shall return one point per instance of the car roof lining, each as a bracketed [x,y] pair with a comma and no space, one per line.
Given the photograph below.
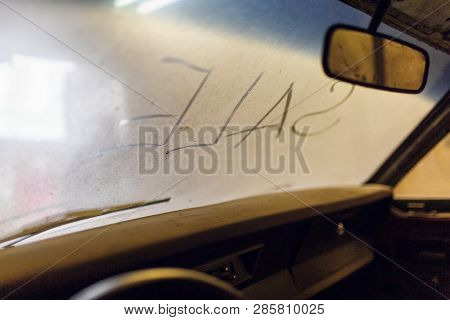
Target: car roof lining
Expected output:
[411,17]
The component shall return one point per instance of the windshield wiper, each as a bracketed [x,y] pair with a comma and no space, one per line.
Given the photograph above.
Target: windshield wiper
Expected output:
[76,216]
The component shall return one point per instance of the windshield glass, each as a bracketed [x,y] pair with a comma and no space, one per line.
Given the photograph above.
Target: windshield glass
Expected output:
[105,104]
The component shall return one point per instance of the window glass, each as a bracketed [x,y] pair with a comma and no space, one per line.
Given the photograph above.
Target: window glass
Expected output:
[82,104]
[430,177]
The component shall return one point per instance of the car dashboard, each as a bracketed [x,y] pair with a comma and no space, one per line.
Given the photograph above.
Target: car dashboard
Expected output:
[283,245]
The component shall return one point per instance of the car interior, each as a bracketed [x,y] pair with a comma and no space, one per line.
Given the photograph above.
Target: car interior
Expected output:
[386,237]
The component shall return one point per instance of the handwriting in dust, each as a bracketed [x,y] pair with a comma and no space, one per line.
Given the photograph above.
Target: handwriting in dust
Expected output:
[279,122]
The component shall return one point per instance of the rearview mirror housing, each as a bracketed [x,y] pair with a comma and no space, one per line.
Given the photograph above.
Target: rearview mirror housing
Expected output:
[374,60]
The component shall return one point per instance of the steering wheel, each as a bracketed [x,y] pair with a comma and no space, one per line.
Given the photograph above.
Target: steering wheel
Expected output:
[160,284]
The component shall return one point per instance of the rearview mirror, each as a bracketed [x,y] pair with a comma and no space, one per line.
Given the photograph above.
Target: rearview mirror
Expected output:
[374,60]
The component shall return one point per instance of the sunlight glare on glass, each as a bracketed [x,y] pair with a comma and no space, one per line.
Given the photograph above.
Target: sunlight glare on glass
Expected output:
[32,98]
[153,5]
[124,3]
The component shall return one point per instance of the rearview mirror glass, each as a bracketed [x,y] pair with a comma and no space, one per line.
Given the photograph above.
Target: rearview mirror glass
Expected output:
[374,60]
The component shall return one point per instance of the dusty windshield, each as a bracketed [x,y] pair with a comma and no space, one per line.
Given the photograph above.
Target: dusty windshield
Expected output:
[116,104]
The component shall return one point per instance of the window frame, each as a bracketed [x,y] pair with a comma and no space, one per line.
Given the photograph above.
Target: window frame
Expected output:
[430,131]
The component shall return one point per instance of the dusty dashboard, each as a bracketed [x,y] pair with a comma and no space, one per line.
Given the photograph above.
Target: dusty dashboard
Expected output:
[273,240]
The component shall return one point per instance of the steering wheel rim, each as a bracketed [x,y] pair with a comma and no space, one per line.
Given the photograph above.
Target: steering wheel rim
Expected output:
[160,284]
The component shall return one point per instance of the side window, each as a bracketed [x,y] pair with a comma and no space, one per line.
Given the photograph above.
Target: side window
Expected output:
[429,179]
